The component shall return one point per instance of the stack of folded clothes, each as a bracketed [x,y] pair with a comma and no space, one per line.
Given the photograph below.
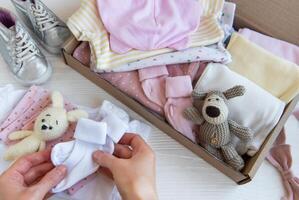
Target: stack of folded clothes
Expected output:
[159,51]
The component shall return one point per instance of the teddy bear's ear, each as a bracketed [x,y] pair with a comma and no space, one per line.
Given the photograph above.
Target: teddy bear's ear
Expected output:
[75,115]
[198,95]
[57,99]
[236,91]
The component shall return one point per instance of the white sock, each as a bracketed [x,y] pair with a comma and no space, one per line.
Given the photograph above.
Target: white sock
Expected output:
[89,137]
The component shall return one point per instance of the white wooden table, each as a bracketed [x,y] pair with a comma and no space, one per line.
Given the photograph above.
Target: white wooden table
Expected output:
[180,173]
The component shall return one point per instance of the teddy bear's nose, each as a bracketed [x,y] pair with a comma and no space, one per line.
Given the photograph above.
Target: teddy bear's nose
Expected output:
[44,127]
[212,111]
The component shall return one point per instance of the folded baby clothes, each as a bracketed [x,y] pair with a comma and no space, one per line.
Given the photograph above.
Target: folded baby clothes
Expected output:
[257,109]
[227,19]
[278,76]
[178,93]
[215,53]
[9,97]
[82,53]
[86,25]
[277,47]
[128,82]
[149,24]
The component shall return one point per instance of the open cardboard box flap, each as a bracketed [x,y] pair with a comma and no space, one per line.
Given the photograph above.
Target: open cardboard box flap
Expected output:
[249,14]
[277,18]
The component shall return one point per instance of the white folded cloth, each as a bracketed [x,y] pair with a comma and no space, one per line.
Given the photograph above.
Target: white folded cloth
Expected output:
[257,109]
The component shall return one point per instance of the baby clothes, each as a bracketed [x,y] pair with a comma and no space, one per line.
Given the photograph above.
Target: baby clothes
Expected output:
[77,155]
[216,53]
[149,24]
[257,109]
[278,76]
[86,25]
[128,82]
[171,87]
[90,136]
[82,53]
[178,93]
[9,97]
[277,47]
[227,20]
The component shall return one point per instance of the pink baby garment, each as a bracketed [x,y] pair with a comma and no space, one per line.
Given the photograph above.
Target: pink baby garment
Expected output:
[128,82]
[178,93]
[171,88]
[278,47]
[82,53]
[24,114]
[280,157]
[149,24]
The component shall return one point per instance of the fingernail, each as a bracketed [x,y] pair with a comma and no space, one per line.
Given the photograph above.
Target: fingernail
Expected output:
[96,154]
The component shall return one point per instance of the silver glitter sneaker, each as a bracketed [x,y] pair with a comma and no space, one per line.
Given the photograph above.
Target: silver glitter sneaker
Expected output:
[50,30]
[20,52]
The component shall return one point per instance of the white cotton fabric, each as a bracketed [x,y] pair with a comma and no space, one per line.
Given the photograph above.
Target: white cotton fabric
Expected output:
[257,109]
[9,97]
[77,155]
[107,126]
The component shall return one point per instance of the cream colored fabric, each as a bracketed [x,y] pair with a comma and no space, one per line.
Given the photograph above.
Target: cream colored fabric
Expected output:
[86,25]
[278,76]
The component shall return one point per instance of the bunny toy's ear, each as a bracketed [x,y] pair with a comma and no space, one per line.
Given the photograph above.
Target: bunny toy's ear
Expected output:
[198,96]
[75,115]
[57,99]
[236,91]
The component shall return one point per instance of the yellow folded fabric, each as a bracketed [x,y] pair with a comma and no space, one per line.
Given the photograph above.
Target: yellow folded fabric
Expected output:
[276,75]
[86,25]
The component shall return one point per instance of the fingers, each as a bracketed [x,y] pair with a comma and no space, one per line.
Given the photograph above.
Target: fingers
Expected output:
[106,171]
[24,164]
[49,181]
[122,151]
[133,140]
[103,159]
[36,172]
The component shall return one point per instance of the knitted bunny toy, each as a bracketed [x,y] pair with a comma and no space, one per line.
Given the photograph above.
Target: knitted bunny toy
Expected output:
[216,129]
[49,125]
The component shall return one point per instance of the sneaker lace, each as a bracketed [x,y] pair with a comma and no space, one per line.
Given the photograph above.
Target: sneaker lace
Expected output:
[44,20]
[25,48]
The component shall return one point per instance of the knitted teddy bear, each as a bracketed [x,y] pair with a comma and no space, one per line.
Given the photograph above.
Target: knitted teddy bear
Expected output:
[216,129]
[49,125]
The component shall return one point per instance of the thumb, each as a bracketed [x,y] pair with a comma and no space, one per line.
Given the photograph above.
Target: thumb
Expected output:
[103,159]
[50,180]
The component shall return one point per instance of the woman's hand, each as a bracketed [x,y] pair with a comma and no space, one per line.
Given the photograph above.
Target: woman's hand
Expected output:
[30,178]
[132,167]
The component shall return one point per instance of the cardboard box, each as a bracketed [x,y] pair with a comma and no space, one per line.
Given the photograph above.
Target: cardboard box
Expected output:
[253,163]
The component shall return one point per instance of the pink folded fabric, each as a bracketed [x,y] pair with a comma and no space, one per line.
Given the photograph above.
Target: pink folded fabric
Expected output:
[153,83]
[174,113]
[128,82]
[82,53]
[178,87]
[178,93]
[149,24]
[281,158]
[24,114]
[278,47]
